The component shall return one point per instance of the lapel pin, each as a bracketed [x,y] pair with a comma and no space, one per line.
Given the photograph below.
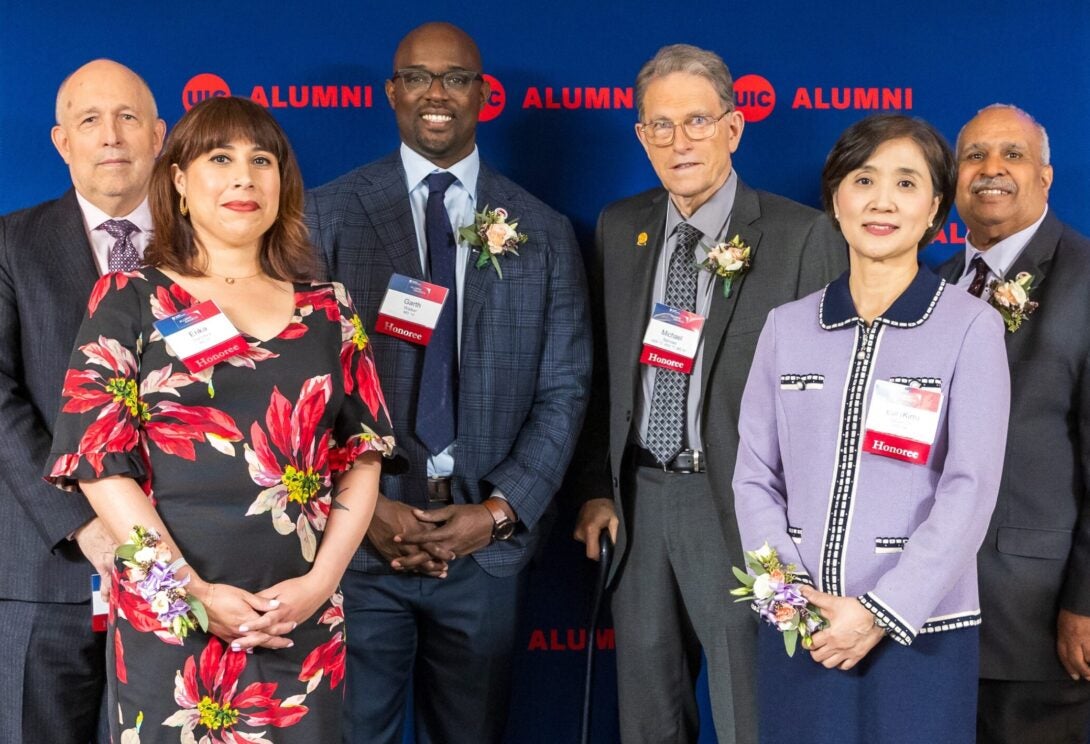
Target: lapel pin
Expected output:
[641,239]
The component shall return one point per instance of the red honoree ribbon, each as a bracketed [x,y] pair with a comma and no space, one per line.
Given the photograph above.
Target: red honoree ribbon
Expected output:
[657,357]
[899,448]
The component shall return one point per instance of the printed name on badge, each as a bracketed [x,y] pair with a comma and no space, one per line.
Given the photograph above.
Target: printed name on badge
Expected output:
[410,309]
[672,338]
[902,421]
[201,336]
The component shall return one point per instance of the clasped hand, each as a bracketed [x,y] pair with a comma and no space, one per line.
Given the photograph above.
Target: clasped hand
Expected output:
[426,542]
[850,634]
[264,619]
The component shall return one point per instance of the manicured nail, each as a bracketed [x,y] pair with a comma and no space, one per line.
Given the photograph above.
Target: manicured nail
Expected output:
[274,603]
[294,626]
[244,629]
[250,651]
[291,643]
[235,646]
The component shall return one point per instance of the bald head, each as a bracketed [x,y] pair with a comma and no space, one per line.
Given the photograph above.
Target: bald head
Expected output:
[109,133]
[437,35]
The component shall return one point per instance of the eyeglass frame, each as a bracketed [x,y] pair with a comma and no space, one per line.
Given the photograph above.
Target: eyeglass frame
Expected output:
[433,76]
[674,127]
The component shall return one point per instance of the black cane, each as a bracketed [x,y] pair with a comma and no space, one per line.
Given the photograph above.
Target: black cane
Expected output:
[605,557]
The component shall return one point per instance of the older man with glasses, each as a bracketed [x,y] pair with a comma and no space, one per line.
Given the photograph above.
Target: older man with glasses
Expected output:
[672,406]
[488,410]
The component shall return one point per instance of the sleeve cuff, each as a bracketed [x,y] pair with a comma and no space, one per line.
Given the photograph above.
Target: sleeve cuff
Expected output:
[68,469]
[898,630]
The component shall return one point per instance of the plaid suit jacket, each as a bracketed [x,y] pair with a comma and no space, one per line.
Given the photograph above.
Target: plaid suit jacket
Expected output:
[46,275]
[524,371]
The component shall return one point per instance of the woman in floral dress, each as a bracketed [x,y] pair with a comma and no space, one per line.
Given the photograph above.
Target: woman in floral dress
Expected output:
[258,474]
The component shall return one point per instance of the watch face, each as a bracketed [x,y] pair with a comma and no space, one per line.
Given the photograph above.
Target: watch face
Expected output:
[503,530]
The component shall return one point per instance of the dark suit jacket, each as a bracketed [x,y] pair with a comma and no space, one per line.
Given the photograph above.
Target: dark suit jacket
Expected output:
[525,345]
[46,274]
[795,251]
[1036,556]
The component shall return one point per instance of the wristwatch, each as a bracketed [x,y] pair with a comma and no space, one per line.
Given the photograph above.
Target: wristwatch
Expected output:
[503,528]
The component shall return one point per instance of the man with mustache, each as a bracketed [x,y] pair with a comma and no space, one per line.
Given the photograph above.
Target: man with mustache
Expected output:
[1035,561]
[108,132]
[488,411]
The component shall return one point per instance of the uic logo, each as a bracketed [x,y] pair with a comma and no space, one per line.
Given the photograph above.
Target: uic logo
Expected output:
[497,99]
[755,97]
[202,86]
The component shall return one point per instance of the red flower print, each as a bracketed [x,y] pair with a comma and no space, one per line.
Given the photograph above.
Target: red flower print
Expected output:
[102,286]
[301,473]
[328,658]
[208,698]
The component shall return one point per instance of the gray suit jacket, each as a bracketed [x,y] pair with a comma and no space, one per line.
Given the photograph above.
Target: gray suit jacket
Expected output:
[46,274]
[524,373]
[1036,556]
[795,251]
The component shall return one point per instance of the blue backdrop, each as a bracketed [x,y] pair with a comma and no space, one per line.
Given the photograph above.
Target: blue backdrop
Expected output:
[563,128]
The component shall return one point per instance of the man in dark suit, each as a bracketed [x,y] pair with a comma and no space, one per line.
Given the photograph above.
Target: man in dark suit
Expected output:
[1035,561]
[51,542]
[488,412]
[673,437]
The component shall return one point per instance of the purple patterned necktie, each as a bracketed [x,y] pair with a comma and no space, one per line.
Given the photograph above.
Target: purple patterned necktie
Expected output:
[980,277]
[123,255]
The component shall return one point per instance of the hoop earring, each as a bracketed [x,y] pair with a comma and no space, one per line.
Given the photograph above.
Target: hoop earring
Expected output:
[183,207]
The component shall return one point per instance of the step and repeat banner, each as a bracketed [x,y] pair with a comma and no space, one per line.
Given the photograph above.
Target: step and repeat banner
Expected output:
[560,122]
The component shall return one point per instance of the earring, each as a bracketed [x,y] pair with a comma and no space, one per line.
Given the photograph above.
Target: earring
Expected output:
[931,224]
[183,207]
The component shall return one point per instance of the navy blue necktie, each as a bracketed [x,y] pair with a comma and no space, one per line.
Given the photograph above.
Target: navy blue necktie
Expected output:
[436,406]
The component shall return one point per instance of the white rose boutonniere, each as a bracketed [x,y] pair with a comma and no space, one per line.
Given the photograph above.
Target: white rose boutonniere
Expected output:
[493,235]
[728,260]
[1012,300]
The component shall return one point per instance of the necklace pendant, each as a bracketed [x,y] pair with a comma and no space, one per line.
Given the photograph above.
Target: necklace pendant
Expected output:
[229,280]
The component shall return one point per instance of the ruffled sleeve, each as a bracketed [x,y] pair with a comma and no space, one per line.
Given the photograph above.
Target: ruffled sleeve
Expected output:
[99,429]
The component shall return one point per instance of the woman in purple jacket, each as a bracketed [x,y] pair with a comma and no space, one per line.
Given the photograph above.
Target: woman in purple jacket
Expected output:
[872,437]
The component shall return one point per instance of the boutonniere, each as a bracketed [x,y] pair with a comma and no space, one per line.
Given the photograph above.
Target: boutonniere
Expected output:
[491,230]
[1012,300]
[728,260]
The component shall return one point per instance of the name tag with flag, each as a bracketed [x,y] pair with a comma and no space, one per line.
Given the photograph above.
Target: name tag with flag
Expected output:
[201,336]
[410,309]
[99,609]
[672,338]
[902,421]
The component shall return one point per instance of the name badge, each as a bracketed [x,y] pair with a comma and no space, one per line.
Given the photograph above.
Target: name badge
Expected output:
[902,421]
[201,336]
[672,338]
[410,310]
[98,607]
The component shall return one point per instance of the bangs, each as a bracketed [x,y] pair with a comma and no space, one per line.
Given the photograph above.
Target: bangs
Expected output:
[218,122]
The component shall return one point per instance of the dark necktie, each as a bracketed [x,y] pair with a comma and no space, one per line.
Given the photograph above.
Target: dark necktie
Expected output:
[123,255]
[666,421]
[436,409]
[976,288]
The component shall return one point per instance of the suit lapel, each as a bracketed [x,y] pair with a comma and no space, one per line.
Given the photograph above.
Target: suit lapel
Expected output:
[66,238]
[475,287]
[745,212]
[386,201]
[952,269]
[1035,260]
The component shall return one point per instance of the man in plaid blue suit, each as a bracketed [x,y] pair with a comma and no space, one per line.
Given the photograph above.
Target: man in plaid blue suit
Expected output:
[432,595]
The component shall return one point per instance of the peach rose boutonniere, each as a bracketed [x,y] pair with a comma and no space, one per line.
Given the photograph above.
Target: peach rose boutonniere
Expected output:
[1012,300]
[493,235]
[729,261]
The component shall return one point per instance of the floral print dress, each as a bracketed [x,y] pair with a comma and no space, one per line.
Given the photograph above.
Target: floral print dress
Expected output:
[239,460]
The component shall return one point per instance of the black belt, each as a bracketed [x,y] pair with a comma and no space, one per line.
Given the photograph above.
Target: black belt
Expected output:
[439,490]
[686,461]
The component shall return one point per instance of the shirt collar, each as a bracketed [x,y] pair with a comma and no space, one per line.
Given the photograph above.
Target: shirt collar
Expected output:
[712,217]
[93,217]
[417,168]
[1001,256]
[913,307]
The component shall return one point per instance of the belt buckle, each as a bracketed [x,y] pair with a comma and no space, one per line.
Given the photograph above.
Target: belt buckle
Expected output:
[439,490]
[687,461]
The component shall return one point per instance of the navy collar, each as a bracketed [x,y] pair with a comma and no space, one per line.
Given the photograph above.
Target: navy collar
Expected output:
[913,307]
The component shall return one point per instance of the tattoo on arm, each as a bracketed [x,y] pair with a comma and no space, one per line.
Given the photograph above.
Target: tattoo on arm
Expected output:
[335,504]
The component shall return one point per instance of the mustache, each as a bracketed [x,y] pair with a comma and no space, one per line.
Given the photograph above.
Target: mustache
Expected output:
[993,182]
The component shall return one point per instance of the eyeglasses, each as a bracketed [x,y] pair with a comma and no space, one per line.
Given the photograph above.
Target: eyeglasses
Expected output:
[661,132]
[454,81]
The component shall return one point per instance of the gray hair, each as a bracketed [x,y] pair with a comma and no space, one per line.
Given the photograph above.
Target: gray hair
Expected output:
[59,106]
[690,59]
[1046,152]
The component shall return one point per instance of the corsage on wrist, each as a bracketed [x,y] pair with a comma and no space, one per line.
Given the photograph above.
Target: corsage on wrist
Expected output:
[152,574]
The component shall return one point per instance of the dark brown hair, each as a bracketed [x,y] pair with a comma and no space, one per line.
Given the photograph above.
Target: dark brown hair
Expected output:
[860,140]
[286,252]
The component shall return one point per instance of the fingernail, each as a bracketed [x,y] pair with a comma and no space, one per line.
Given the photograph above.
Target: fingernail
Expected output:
[244,629]
[294,626]
[250,651]
[1074,678]
[235,646]
[274,603]
[291,643]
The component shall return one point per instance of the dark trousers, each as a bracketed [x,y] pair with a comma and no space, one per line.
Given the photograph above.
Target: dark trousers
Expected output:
[53,673]
[671,600]
[453,638]
[1048,712]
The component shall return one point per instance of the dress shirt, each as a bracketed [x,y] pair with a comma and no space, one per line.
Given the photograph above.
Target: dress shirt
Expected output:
[999,258]
[101,241]
[460,201]
[713,220]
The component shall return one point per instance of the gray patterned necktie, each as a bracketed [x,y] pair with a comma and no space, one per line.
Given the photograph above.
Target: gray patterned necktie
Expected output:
[123,255]
[666,421]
